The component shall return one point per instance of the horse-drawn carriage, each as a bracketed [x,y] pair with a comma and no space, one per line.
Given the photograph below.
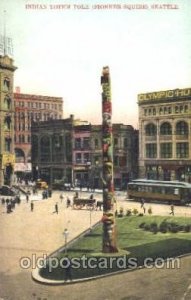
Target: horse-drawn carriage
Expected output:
[80,203]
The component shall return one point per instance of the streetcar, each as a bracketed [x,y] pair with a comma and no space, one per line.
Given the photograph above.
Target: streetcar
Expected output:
[171,192]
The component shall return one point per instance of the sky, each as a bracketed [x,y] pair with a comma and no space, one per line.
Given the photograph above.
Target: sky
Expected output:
[61,52]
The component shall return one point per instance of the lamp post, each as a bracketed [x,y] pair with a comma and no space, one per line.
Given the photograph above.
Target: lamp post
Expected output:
[90,218]
[88,164]
[66,233]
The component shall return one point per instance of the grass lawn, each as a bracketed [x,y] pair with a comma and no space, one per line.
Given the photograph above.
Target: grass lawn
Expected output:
[134,243]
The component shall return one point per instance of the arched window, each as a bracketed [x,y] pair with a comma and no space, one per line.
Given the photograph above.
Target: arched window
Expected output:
[186,108]
[166,129]
[20,156]
[182,128]
[150,129]
[57,142]
[7,144]
[45,148]
[7,102]
[7,122]
[6,84]
[34,143]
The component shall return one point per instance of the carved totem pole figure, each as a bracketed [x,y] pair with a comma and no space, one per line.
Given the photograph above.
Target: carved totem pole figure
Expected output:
[108,219]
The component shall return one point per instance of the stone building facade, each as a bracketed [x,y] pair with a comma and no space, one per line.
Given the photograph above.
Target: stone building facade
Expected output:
[7,157]
[165,135]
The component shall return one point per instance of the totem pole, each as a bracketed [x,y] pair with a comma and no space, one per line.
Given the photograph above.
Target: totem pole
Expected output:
[108,219]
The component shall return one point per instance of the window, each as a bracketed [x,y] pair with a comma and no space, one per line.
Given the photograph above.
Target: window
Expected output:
[7,123]
[6,84]
[125,143]
[123,161]
[78,158]
[7,144]
[166,150]
[86,143]
[182,150]
[7,102]
[150,129]
[182,128]
[151,150]
[186,108]
[160,111]
[45,148]
[57,142]
[169,110]
[96,142]
[116,161]
[86,157]
[115,141]
[78,143]
[166,129]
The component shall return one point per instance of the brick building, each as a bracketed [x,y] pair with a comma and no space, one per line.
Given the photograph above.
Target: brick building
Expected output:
[30,108]
[84,143]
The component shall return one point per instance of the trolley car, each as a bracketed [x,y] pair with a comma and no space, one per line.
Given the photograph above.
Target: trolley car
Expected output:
[171,192]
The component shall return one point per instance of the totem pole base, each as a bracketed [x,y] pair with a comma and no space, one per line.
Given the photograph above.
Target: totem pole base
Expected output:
[110,249]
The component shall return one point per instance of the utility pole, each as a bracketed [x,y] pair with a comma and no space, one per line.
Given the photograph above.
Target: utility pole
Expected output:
[108,219]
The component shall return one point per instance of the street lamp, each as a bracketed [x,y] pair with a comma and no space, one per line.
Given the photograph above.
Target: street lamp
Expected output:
[66,232]
[90,218]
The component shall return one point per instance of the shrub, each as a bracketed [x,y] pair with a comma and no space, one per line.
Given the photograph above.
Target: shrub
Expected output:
[140,214]
[142,225]
[147,227]
[163,227]
[135,211]
[150,211]
[128,212]
[173,227]
[121,210]
[187,228]
[154,227]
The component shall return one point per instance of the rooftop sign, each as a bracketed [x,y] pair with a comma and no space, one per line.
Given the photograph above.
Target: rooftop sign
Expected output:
[170,94]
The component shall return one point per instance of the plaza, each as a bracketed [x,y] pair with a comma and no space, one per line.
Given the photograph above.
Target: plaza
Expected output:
[25,233]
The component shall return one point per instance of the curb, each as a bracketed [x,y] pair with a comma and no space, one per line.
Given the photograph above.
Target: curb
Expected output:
[39,279]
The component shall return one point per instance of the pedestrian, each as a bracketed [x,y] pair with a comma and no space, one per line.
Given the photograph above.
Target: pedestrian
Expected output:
[68,202]
[61,197]
[32,205]
[56,208]
[27,197]
[172,210]
[50,192]
[142,202]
